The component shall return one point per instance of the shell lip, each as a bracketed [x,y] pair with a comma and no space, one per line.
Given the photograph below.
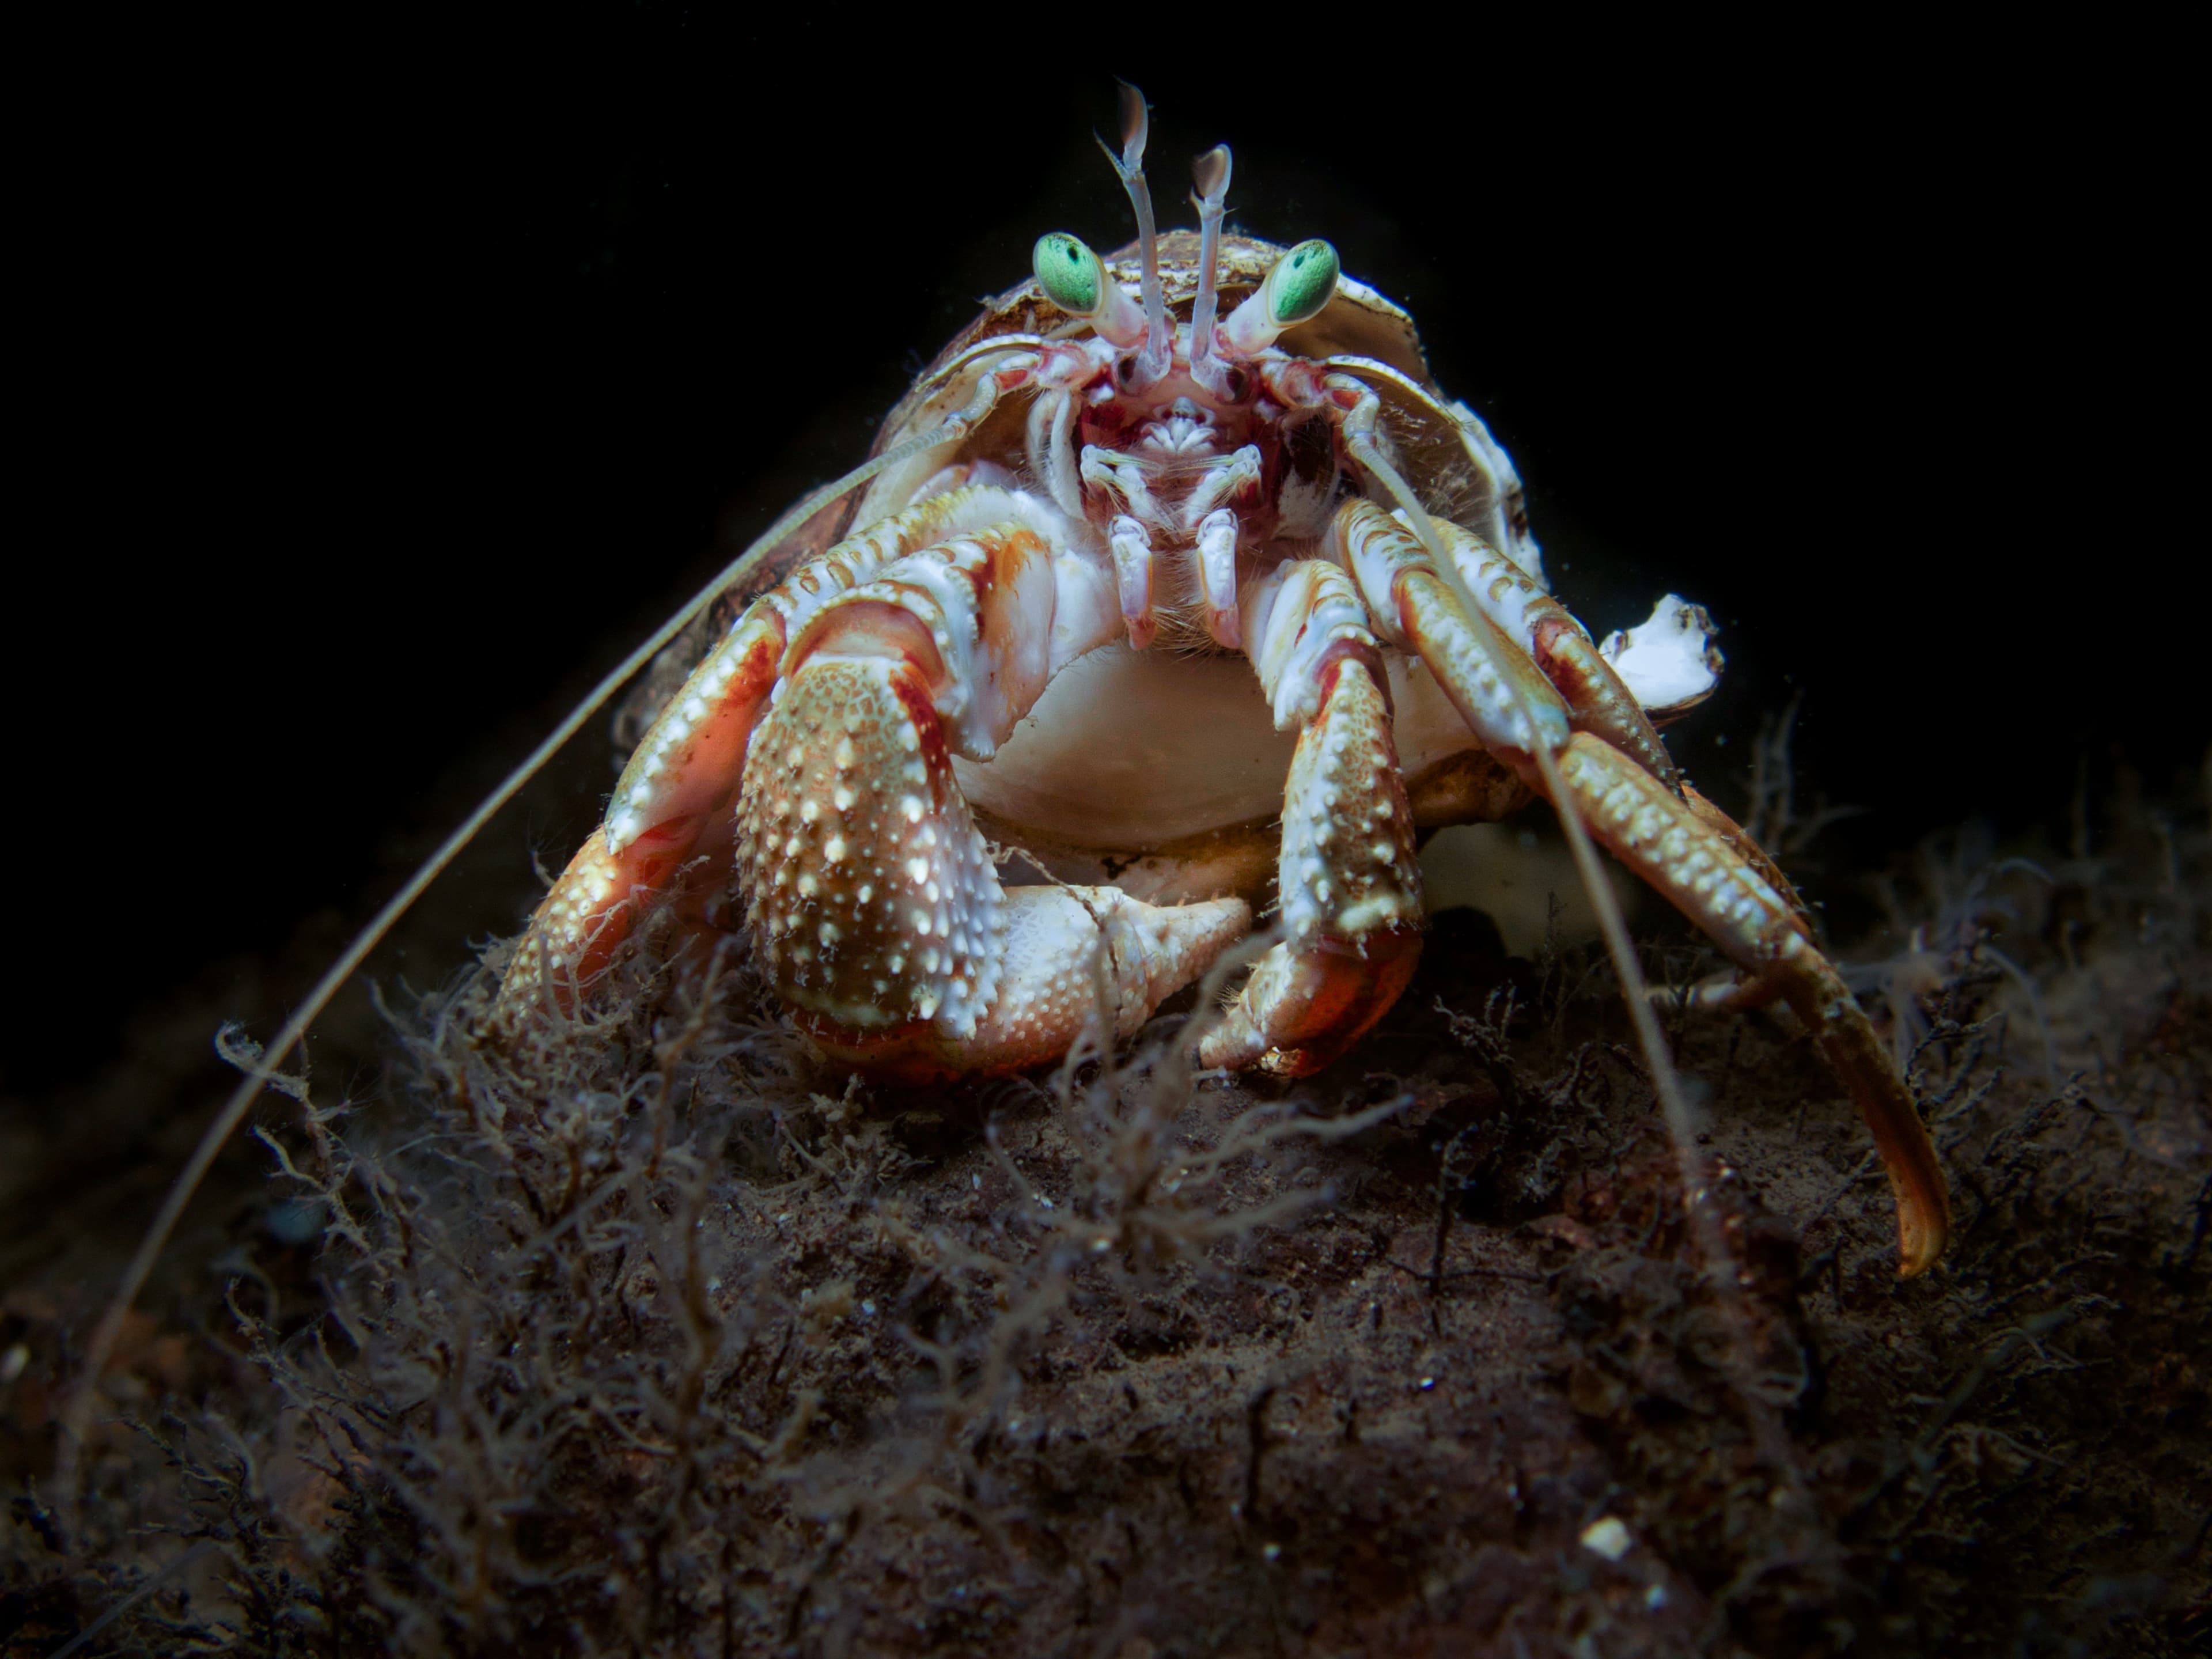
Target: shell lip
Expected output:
[1667,661]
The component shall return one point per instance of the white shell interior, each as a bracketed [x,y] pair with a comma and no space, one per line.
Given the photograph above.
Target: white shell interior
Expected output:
[1129,749]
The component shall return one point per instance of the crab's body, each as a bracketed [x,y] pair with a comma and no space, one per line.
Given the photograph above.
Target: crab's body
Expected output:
[1160,769]
[1203,614]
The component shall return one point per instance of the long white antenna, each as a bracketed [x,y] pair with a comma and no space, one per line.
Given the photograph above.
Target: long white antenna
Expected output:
[1703,1215]
[77,1418]
[1634,989]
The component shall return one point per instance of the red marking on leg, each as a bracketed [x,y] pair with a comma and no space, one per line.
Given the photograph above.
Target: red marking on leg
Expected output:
[1358,985]
[920,709]
[1596,700]
[1331,665]
[1305,1008]
[1547,633]
[998,587]
[868,627]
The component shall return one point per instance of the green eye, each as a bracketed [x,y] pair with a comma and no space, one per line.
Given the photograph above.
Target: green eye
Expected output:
[1070,274]
[1302,283]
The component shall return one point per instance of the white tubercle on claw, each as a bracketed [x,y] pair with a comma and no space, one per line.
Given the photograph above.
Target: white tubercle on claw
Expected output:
[1059,939]
[870,895]
[1669,660]
[1010,590]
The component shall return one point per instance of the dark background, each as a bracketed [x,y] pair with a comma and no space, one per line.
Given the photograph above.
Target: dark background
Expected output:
[389,379]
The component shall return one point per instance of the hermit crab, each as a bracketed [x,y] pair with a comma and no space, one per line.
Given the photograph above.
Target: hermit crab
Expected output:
[1177,573]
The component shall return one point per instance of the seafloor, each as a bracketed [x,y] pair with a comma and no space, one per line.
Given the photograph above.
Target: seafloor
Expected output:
[654,1337]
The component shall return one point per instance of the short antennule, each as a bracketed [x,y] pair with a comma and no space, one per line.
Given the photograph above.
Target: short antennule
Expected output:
[1210,172]
[1129,166]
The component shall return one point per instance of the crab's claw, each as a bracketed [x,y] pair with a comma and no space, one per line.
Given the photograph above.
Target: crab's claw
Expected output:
[1692,854]
[1349,877]
[1075,960]
[813,751]
[879,914]
[1620,788]
[671,806]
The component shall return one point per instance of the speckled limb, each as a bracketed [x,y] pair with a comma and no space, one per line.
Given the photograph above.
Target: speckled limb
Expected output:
[875,908]
[1740,842]
[1556,643]
[674,801]
[1682,844]
[1694,864]
[1348,875]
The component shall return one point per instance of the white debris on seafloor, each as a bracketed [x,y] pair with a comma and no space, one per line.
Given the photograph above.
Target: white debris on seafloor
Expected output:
[1606,1536]
[1669,661]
